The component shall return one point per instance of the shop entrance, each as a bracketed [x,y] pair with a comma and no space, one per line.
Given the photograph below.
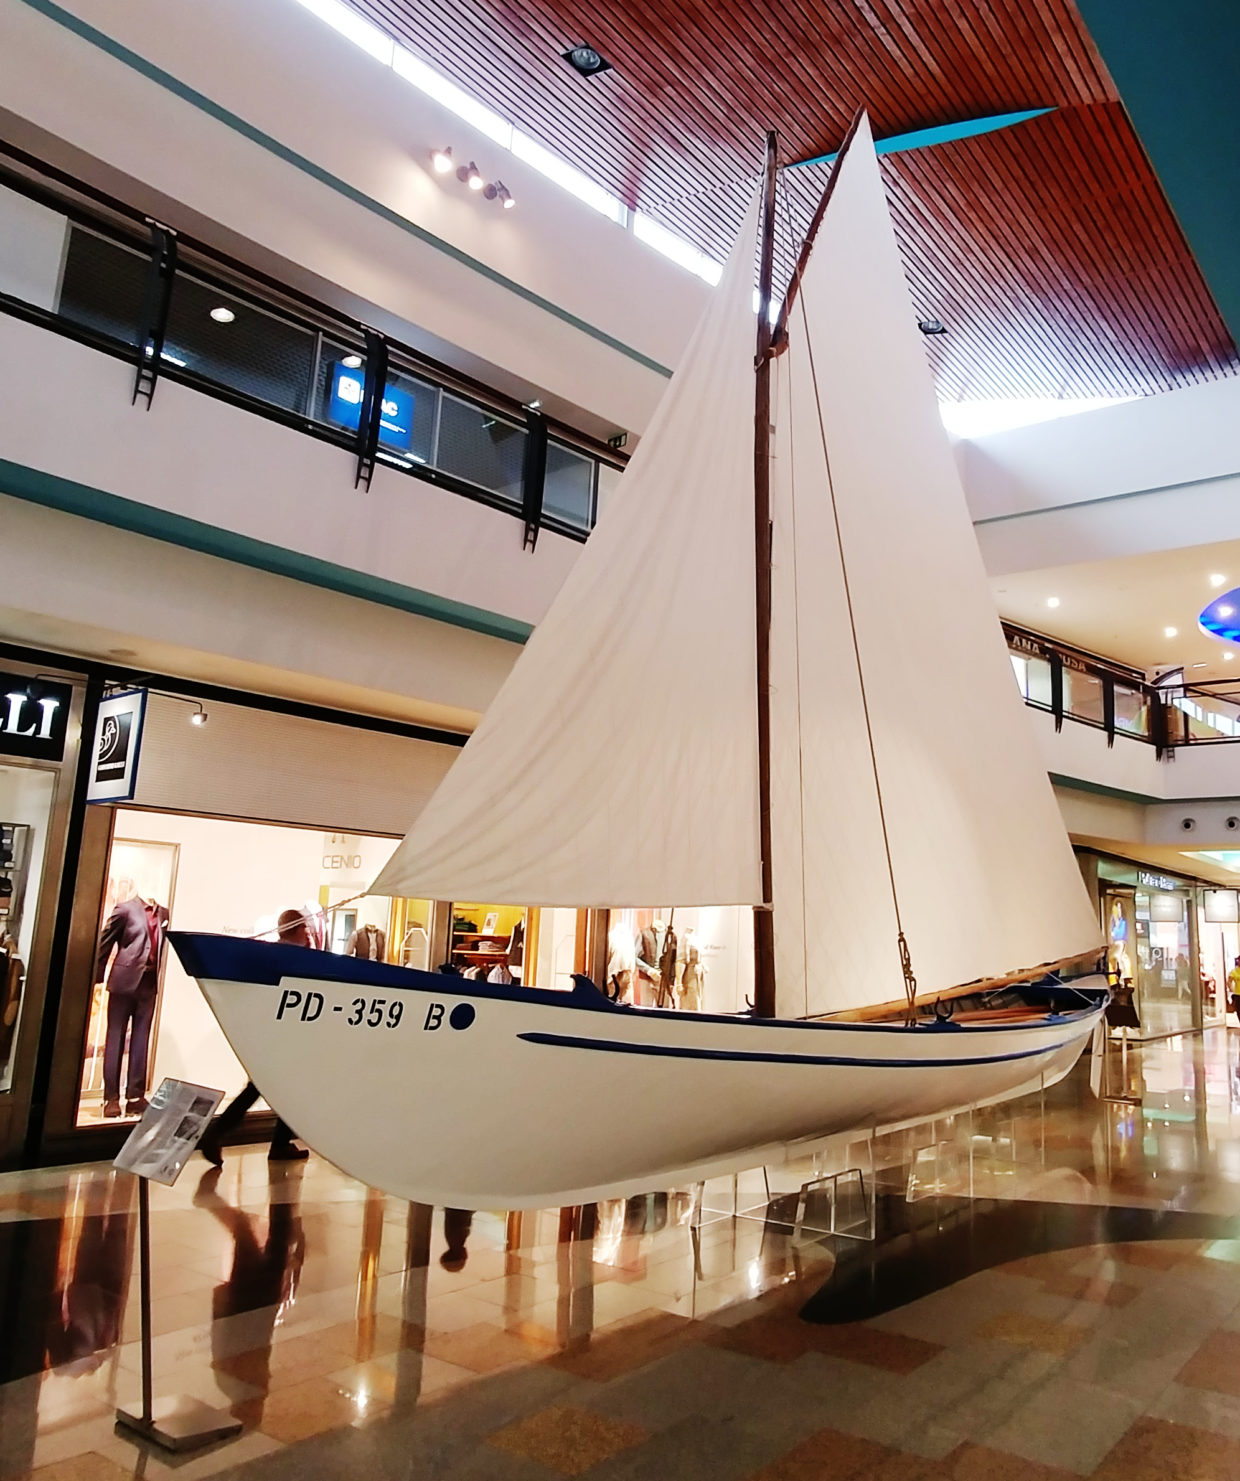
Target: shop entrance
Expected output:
[1151,924]
[235,878]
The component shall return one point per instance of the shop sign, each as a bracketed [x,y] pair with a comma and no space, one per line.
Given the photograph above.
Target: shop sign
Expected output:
[118,742]
[34,717]
[1150,881]
[396,421]
[1031,647]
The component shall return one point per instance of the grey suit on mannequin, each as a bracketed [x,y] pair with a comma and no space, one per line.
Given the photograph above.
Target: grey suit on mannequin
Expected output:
[132,986]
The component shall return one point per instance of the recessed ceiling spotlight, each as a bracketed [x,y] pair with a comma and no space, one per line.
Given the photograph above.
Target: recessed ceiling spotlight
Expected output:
[1225,611]
[1217,580]
[932,326]
[1052,601]
[441,161]
[1171,632]
[223,315]
[471,175]
[352,362]
[1227,657]
[586,60]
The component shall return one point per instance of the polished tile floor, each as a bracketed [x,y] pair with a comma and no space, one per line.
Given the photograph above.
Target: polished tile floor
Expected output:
[1053,1291]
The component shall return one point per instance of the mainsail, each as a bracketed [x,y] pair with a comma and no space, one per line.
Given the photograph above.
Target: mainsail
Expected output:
[983,868]
[618,763]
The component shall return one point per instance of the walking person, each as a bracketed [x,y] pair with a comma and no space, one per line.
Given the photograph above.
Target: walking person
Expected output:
[293,931]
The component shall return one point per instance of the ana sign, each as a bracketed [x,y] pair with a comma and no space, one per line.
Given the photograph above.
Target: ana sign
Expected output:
[118,740]
[396,422]
[34,717]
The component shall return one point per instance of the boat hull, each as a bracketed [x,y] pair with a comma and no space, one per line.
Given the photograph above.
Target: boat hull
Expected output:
[453,1092]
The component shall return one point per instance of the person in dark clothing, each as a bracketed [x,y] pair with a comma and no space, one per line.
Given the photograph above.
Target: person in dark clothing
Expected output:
[457,1222]
[292,930]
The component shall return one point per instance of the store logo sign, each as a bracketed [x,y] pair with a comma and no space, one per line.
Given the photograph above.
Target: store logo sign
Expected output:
[118,741]
[1156,881]
[396,419]
[34,717]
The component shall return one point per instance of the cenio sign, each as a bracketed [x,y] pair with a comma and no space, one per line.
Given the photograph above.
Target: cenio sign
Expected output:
[34,717]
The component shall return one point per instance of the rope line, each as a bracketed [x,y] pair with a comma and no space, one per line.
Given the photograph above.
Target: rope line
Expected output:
[906,957]
[796,626]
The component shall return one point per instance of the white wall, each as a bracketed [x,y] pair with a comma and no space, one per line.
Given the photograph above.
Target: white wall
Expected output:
[74,586]
[1154,474]
[247,763]
[202,458]
[291,76]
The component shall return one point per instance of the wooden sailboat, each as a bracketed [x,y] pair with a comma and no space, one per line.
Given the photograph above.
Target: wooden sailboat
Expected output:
[838,744]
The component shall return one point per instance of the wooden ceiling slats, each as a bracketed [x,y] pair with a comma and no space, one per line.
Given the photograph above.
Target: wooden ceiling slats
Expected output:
[1049,250]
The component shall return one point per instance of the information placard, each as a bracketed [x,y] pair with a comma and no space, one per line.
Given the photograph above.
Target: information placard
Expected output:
[171,1127]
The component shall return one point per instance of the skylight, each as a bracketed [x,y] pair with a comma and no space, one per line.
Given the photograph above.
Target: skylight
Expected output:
[649,231]
[980,418]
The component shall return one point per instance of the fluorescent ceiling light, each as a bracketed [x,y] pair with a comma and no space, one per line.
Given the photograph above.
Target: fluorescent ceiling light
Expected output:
[359,31]
[413,69]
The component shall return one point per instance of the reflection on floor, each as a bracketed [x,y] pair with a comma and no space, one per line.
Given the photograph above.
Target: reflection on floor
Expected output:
[1054,1291]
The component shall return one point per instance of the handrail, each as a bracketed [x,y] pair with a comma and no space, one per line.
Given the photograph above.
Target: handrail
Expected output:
[97,213]
[1167,716]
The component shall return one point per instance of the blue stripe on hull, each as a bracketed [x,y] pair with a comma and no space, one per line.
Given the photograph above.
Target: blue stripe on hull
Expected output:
[620,1046]
[268,963]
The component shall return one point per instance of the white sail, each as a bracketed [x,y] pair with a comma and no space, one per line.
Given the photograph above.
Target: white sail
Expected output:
[985,874]
[618,763]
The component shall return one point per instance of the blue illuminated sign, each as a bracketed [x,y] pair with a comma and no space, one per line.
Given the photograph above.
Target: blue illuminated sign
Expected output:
[396,423]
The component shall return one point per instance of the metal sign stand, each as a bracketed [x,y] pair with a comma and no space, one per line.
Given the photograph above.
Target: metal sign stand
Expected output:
[174,1424]
[157,1148]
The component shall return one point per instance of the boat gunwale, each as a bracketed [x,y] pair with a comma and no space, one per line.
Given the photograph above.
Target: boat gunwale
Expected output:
[307,964]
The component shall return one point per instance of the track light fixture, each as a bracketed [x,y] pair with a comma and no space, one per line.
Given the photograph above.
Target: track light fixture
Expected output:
[471,175]
[500,192]
[441,161]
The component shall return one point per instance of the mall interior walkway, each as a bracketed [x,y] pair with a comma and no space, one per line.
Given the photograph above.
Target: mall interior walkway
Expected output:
[1054,1291]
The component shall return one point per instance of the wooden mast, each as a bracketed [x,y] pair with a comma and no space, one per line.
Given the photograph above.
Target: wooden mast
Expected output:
[763,918]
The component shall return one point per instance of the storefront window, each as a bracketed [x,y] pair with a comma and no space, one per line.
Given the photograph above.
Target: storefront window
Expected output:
[1218,937]
[235,878]
[488,941]
[698,958]
[26,794]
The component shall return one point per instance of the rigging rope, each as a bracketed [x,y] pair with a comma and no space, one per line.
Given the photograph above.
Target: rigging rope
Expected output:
[782,183]
[906,956]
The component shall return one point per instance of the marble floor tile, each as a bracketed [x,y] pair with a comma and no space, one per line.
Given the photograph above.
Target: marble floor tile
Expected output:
[566,1440]
[1215,1365]
[1064,1424]
[1157,1450]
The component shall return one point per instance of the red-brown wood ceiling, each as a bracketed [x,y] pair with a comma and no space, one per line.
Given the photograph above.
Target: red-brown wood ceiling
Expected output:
[1048,249]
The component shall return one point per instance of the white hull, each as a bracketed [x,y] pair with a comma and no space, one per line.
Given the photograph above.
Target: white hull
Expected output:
[544,1099]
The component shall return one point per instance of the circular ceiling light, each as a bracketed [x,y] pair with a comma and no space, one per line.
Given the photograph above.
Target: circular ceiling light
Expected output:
[1052,601]
[222,315]
[1217,580]
[1171,632]
[586,60]
[352,362]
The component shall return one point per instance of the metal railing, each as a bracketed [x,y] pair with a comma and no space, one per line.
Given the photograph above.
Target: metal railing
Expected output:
[88,266]
[1072,684]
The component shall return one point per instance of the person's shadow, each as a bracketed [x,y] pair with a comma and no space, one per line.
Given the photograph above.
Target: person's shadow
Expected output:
[87,1325]
[261,1285]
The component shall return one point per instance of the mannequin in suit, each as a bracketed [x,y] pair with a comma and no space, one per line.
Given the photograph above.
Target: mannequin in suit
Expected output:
[135,933]
[368,942]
